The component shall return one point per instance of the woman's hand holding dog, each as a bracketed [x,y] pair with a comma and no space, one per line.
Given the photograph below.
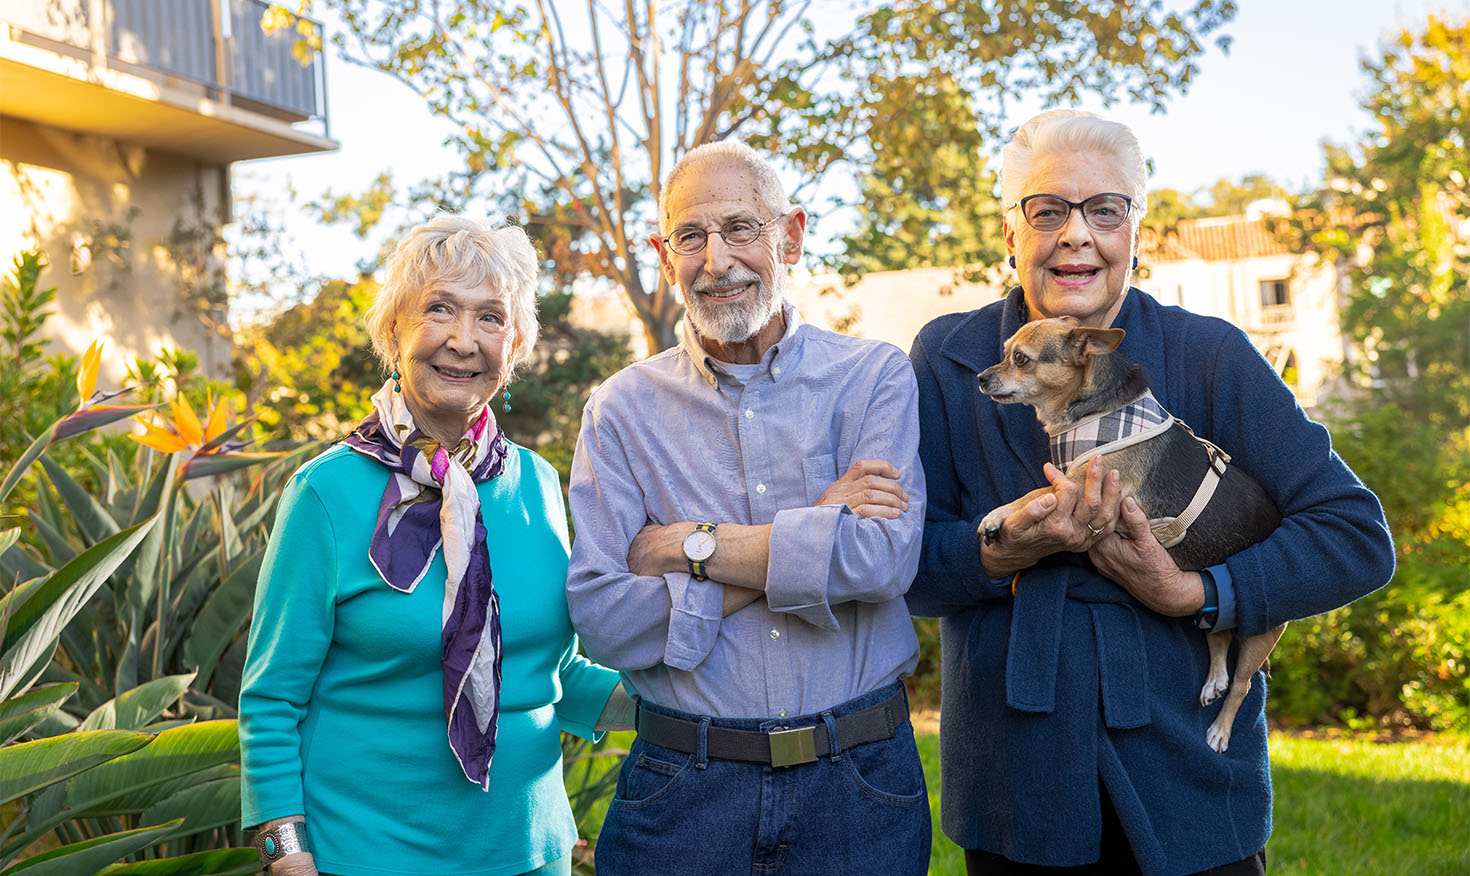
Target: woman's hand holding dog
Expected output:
[1140,565]
[1070,517]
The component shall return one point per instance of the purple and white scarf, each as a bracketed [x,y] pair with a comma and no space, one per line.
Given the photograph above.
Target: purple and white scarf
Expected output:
[1138,421]
[431,500]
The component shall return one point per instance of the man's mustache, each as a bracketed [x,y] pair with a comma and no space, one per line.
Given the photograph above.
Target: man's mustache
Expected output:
[729,279]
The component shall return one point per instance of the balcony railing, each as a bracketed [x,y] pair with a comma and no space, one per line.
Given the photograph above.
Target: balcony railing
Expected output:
[218,44]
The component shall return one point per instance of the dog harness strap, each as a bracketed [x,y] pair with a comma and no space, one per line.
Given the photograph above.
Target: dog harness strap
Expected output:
[1142,419]
[1171,530]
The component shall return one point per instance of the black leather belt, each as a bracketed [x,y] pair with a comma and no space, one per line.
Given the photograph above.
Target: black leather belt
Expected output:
[779,747]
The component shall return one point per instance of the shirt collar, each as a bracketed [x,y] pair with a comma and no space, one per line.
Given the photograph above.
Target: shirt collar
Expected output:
[705,365]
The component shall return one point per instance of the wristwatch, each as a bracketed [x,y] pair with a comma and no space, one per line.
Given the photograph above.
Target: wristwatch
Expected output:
[699,546]
[277,842]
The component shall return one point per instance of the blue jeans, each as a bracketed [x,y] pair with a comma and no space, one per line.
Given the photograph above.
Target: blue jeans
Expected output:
[859,810]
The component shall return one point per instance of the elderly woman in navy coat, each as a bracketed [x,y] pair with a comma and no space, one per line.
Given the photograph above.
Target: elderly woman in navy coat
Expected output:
[1072,738]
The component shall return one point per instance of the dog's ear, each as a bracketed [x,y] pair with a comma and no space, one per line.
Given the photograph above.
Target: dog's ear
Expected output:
[1084,342]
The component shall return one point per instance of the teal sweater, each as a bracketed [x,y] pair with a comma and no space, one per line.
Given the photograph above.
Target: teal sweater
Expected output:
[341,708]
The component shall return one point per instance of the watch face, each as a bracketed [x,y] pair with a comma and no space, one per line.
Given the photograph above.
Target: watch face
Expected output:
[698,545]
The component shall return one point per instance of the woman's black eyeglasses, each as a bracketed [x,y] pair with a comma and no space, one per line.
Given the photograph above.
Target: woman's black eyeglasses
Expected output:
[1103,212]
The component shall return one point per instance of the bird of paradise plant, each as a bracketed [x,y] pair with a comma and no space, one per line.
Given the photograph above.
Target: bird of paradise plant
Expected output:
[119,742]
[214,450]
[92,413]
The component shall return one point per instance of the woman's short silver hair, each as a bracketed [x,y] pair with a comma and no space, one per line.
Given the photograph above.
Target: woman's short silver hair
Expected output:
[457,249]
[767,183]
[1067,130]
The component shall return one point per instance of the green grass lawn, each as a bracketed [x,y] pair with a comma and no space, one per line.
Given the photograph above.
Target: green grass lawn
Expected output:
[1344,807]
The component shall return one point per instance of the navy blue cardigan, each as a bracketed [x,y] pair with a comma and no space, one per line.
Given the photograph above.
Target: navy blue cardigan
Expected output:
[1073,680]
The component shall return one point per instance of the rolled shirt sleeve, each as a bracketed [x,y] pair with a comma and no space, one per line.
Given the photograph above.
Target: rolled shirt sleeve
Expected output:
[624,619]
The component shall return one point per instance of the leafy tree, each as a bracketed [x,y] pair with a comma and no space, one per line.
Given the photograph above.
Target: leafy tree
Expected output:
[569,115]
[1226,197]
[311,370]
[1394,213]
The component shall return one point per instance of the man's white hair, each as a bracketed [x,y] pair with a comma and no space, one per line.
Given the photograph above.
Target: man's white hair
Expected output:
[767,183]
[1066,130]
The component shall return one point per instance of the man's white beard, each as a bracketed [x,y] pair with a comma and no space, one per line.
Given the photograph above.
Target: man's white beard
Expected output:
[733,323]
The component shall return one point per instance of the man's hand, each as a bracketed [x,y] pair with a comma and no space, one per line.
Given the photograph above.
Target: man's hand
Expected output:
[870,488]
[1140,565]
[657,550]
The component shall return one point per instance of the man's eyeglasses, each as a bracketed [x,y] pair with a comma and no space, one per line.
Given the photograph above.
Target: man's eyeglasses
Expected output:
[1103,212]
[688,240]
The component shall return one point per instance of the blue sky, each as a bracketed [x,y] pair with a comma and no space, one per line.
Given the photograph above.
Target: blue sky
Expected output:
[1291,80]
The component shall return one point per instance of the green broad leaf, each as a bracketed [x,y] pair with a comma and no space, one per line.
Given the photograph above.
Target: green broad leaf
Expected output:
[32,453]
[94,855]
[196,579]
[129,784]
[17,565]
[91,518]
[31,766]
[139,573]
[160,726]
[229,536]
[29,675]
[219,862]
[203,806]
[21,713]
[134,709]
[200,466]
[218,623]
[9,537]
[36,623]
[61,548]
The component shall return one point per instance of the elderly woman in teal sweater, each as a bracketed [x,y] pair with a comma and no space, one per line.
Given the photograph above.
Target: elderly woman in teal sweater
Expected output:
[402,705]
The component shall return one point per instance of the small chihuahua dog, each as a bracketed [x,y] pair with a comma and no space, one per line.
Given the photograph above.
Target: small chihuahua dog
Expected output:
[1093,401]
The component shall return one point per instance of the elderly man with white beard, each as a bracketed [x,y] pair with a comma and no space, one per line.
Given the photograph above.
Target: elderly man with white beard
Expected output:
[749,507]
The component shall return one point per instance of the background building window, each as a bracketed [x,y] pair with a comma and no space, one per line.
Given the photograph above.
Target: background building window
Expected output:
[1273,293]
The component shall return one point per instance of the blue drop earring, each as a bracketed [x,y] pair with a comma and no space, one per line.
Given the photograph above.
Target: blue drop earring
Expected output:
[1012,261]
[507,401]
[395,377]
[1135,263]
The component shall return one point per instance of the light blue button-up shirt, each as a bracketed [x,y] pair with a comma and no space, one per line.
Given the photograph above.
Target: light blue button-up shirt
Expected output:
[680,436]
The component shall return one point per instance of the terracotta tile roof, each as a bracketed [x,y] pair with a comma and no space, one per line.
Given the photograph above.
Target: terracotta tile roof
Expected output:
[1213,240]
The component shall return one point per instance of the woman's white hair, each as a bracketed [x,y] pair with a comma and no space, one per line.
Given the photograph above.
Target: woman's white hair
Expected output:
[1066,130]
[457,249]
[767,183]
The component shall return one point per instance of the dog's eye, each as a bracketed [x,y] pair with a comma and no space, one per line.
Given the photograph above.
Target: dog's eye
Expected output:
[1019,358]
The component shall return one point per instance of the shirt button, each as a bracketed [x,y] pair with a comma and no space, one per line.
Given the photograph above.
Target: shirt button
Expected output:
[777,370]
[781,713]
[749,414]
[760,488]
[776,634]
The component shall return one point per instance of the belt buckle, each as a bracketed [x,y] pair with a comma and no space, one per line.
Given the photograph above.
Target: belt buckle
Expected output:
[792,747]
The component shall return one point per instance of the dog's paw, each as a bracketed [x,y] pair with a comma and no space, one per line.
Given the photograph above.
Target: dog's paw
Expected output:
[990,526]
[1218,737]
[1215,686]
